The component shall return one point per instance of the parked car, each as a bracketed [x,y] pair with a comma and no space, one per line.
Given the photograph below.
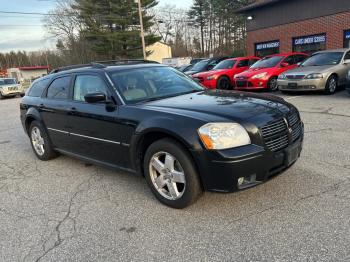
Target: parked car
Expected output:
[153,120]
[222,75]
[325,70]
[196,60]
[10,88]
[264,73]
[348,83]
[185,68]
[205,65]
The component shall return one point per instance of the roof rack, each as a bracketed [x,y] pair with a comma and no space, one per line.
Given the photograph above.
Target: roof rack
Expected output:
[126,62]
[103,64]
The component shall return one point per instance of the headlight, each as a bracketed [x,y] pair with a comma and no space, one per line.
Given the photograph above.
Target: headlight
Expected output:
[211,77]
[314,76]
[282,76]
[223,135]
[261,75]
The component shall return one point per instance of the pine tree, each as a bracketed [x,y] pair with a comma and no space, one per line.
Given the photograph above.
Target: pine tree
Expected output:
[112,26]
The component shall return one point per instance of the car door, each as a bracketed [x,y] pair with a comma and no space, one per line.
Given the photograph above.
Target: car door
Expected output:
[291,64]
[95,129]
[344,69]
[53,108]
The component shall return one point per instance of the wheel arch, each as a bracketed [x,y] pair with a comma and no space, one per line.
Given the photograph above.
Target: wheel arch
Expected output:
[147,138]
[32,115]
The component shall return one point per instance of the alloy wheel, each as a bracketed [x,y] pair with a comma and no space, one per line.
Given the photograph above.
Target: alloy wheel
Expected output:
[167,175]
[332,85]
[37,141]
[273,84]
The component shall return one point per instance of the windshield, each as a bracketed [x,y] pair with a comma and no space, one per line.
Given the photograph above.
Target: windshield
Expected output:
[226,64]
[200,66]
[153,83]
[268,62]
[7,82]
[321,59]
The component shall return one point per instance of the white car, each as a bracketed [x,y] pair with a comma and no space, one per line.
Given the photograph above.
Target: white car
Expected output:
[9,88]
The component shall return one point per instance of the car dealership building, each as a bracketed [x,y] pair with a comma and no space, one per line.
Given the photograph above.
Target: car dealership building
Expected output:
[279,26]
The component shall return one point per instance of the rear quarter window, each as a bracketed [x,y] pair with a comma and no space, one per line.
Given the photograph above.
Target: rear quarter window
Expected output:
[37,88]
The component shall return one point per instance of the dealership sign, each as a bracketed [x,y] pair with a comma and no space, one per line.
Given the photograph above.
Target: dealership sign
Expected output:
[310,40]
[268,45]
[347,34]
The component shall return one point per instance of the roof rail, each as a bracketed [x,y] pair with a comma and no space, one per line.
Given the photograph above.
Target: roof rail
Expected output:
[126,62]
[103,64]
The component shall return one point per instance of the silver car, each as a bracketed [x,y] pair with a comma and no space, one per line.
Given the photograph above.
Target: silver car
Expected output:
[325,70]
[9,87]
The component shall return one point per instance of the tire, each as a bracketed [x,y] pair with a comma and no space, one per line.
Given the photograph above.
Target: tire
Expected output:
[160,173]
[1,96]
[40,142]
[223,83]
[22,95]
[272,84]
[331,85]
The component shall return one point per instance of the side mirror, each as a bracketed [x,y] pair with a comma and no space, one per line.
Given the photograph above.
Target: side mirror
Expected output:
[346,61]
[284,64]
[299,64]
[95,98]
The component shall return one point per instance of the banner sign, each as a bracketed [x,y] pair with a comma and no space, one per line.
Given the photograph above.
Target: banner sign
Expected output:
[267,45]
[347,34]
[306,40]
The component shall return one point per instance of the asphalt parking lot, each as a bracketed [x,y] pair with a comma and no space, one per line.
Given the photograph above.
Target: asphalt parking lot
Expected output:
[64,210]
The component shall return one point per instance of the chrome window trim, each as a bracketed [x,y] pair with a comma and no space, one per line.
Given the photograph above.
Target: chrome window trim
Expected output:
[89,137]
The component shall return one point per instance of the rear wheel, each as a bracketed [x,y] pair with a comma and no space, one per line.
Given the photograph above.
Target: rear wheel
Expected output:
[272,84]
[40,142]
[331,85]
[171,174]
[223,83]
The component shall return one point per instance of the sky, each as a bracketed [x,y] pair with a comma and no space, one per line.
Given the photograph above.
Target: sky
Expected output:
[26,32]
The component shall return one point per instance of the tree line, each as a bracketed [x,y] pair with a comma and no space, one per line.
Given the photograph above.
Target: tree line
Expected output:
[92,30]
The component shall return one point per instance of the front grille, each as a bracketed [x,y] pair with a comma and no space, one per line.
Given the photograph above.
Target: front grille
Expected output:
[12,88]
[295,77]
[240,83]
[280,134]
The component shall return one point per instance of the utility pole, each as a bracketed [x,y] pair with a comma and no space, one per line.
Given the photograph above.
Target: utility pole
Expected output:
[142,32]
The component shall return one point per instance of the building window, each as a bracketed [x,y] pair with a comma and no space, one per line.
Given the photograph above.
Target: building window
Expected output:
[309,44]
[267,48]
[347,38]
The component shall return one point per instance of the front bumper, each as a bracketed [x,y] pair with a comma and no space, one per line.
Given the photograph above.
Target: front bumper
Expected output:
[250,84]
[302,85]
[220,170]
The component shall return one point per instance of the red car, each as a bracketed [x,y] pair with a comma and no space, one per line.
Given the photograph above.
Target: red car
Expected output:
[222,75]
[264,73]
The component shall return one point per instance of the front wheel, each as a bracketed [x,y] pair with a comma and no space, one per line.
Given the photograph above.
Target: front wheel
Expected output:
[171,174]
[331,85]
[223,83]
[1,96]
[272,84]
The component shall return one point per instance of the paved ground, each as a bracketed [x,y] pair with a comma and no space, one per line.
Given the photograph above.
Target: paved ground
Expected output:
[63,210]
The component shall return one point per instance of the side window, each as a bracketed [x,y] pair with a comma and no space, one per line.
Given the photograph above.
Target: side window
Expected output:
[253,61]
[59,88]
[347,56]
[243,63]
[88,84]
[299,58]
[289,60]
[37,88]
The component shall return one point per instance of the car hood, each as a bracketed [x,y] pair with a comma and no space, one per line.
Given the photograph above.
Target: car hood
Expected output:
[217,105]
[191,72]
[310,69]
[210,73]
[254,71]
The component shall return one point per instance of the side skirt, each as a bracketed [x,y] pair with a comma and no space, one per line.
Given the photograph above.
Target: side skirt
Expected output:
[96,162]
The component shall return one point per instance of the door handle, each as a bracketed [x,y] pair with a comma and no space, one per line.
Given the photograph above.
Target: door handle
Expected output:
[42,107]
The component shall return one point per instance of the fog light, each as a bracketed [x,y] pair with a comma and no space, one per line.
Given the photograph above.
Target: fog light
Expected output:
[240,181]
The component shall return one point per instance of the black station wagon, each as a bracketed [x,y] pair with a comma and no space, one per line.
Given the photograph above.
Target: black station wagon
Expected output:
[153,120]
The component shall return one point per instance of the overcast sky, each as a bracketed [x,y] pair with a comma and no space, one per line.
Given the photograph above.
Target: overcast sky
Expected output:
[23,32]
